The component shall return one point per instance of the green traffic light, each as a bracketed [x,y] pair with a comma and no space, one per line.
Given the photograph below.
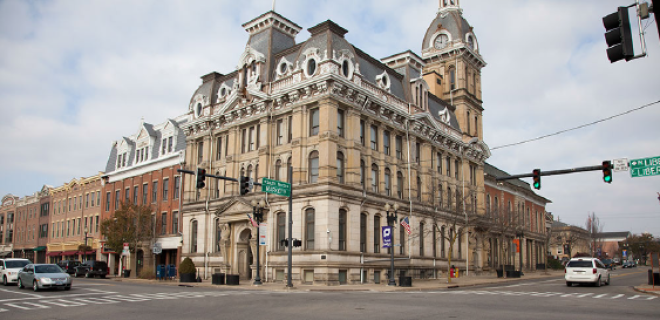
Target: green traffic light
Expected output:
[607,179]
[537,186]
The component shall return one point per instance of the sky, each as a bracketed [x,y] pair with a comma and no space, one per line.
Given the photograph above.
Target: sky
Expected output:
[77,75]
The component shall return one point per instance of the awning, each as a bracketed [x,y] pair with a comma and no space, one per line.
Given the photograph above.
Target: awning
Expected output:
[4,254]
[40,248]
[70,253]
[89,252]
[54,253]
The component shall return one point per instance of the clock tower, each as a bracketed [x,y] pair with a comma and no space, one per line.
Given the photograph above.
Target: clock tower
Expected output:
[453,66]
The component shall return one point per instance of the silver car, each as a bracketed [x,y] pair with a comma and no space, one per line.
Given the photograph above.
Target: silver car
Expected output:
[42,276]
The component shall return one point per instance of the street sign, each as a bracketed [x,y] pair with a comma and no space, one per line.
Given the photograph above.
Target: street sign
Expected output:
[645,167]
[125,252]
[620,164]
[158,249]
[276,187]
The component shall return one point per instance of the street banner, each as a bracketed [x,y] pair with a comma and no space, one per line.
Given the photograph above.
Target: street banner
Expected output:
[625,253]
[125,252]
[387,237]
[262,233]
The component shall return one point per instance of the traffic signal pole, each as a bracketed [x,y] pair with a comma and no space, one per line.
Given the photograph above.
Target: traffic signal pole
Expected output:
[553,172]
[290,247]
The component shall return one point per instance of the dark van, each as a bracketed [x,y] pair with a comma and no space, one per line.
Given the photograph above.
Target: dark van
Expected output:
[69,266]
[92,269]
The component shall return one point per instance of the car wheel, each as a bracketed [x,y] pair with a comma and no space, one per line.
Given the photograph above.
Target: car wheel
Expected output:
[569,284]
[597,284]
[4,281]
[20,283]
[35,286]
[102,276]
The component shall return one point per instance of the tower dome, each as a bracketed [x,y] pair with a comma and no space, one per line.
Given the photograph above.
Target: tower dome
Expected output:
[449,30]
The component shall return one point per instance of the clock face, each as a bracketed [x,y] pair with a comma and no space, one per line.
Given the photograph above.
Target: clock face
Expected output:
[441,41]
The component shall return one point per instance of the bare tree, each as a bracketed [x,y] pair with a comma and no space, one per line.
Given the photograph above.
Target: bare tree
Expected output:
[594,229]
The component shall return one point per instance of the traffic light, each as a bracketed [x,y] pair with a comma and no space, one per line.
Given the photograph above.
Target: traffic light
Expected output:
[284,242]
[297,242]
[244,185]
[201,176]
[607,171]
[618,35]
[537,179]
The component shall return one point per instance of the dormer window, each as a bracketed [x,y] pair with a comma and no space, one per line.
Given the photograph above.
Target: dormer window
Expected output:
[198,110]
[121,160]
[283,68]
[311,67]
[142,155]
[167,145]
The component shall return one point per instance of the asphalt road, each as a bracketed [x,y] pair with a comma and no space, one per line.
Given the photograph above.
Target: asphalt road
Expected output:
[99,299]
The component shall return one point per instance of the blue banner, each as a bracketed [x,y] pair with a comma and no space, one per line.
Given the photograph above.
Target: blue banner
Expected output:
[387,237]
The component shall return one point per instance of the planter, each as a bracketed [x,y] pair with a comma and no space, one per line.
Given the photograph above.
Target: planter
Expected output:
[509,267]
[187,277]
[405,281]
[513,274]
[540,266]
[500,273]
[218,278]
[232,279]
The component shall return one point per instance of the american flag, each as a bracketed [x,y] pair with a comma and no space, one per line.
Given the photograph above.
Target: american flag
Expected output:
[404,223]
[254,223]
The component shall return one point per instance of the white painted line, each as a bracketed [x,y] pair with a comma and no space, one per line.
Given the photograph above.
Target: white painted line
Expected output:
[34,295]
[65,303]
[600,296]
[634,297]
[100,291]
[651,298]
[98,301]
[18,305]
[56,296]
[3,310]
[125,298]
[617,296]
[583,295]
[568,295]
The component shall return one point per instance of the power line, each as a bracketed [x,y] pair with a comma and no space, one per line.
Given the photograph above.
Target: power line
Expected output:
[575,128]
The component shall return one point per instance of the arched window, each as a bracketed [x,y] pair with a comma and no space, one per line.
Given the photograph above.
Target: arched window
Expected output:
[278,167]
[363,232]
[340,167]
[488,204]
[388,181]
[377,232]
[249,171]
[399,184]
[313,167]
[452,78]
[281,230]
[496,206]
[193,236]
[309,229]
[469,131]
[342,230]
[374,178]
[242,172]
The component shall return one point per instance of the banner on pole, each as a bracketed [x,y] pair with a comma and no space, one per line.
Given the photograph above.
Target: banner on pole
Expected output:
[262,233]
[387,237]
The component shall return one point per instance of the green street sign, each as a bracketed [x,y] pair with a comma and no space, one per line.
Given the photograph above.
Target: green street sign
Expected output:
[645,167]
[276,187]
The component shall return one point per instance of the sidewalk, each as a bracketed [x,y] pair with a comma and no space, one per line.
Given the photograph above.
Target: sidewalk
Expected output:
[417,285]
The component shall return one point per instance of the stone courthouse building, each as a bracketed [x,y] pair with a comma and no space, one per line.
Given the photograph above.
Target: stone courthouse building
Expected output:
[358,133]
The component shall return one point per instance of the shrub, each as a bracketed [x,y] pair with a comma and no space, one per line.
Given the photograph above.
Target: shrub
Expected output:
[187,266]
[554,264]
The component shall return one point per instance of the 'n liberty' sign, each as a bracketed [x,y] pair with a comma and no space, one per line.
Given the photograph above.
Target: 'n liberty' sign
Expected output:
[645,167]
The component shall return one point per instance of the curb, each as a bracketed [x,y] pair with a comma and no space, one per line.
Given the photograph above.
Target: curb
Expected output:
[641,290]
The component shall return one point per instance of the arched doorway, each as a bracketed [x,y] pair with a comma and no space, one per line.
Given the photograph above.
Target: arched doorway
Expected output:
[244,254]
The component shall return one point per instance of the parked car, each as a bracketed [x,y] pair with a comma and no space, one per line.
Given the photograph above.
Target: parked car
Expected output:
[626,264]
[42,276]
[92,269]
[586,270]
[609,263]
[616,261]
[9,269]
[69,266]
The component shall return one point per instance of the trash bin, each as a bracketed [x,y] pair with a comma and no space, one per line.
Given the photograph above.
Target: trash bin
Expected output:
[405,281]
[513,274]
[500,273]
[232,280]
[218,278]
[127,273]
[654,278]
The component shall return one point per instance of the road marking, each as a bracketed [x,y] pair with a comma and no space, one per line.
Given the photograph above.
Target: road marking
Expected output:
[65,303]
[98,301]
[3,310]
[600,296]
[583,295]
[18,305]
[27,294]
[126,298]
[617,296]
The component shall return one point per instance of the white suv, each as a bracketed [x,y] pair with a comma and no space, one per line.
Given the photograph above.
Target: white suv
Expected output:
[586,270]
[9,269]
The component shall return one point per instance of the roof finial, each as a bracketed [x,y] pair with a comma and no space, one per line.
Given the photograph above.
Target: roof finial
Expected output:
[273,5]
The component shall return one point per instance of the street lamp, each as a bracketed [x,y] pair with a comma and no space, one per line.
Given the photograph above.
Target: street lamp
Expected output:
[86,237]
[258,212]
[391,221]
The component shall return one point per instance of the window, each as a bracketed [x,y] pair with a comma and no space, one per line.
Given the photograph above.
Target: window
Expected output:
[290,129]
[75,206]
[309,229]
[456,169]
[193,237]
[399,147]
[386,142]
[377,234]
[363,232]
[469,126]
[449,198]
[280,132]
[107,201]
[145,193]
[311,67]
[117,200]
[87,200]
[278,167]
[448,166]
[435,242]
[388,181]
[374,178]
[459,242]
[93,199]
[169,144]
[175,222]
[218,145]
[362,132]
[154,191]
[251,139]
[340,167]
[163,223]
[419,188]
[421,239]
[217,235]
[340,122]
[281,230]
[166,189]
[452,78]
[314,167]
[96,225]
[418,152]
[399,184]
[314,122]
[374,137]
[200,151]
[177,187]
[442,242]
[363,173]
[402,238]
[342,230]
[440,195]
[243,140]
[98,198]
[438,161]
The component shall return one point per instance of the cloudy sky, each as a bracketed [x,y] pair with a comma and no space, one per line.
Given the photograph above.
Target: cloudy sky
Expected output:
[77,75]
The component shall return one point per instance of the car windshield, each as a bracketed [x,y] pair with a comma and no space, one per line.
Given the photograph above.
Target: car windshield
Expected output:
[47,269]
[579,264]
[16,263]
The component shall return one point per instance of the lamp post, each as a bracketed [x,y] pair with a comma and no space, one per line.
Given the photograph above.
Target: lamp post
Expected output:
[258,212]
[391,221]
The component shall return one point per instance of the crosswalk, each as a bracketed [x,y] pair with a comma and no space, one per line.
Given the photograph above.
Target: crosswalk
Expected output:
[604,296]
[105,298]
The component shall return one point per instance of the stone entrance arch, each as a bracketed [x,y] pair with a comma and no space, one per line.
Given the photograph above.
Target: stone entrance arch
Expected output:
[244,255]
